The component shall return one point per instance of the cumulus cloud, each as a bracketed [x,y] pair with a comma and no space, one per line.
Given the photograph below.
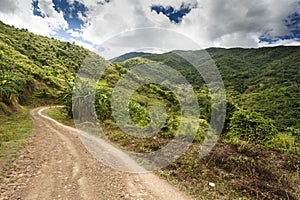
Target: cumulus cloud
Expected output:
[23,17]
[151,39]
[235,22]
[222,23]
[7,6]
[74,34]
[287,42]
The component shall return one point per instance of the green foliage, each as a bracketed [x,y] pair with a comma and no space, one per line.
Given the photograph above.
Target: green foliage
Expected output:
[83,101]
[65,96]
[251,126]
[264,80]
[230,109]
[34,66]
[13,132]
[171,126]
[103,103]
[295,132]
[283,141]
[202,130]
[4,109]
[10,89]
[138,113]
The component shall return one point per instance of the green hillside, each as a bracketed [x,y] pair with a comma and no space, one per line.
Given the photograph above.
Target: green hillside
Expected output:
[265,80]
[34,67]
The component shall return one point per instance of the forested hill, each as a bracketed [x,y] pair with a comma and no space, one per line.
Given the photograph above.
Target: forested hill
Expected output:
[33,66]
[265,80]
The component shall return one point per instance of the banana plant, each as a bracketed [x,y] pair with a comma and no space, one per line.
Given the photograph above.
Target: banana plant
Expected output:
[103,103]
[65,95]
[10,89]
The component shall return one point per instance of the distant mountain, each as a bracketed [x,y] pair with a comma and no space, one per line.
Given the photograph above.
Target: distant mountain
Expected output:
[128,56]
[265,80]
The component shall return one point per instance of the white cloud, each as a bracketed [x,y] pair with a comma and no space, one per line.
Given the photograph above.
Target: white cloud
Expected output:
[23,17]
[235,22]
[152,39]
[74,34]
[8,6]
[84,44]
[288,42]
[223,23]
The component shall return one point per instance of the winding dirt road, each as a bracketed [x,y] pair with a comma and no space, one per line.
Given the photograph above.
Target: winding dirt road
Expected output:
[56,165]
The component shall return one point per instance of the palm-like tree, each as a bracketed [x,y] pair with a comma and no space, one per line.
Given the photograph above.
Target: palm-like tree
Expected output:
[9,89]
[103,103]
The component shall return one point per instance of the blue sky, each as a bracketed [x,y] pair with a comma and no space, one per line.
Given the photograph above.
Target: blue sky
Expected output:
[175,15]
[220,23]
[70,11]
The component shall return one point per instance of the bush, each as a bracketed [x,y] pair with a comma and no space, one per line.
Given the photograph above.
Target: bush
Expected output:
[282,141]
[202,130]
[251,126]
[295,132]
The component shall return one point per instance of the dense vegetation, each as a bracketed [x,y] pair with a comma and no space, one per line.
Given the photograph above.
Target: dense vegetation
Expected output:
[33,66]
[262,120]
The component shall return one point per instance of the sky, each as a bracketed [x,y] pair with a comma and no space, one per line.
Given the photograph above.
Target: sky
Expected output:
[114,27]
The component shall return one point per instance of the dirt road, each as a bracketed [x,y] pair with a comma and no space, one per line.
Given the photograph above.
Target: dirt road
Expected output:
[56,165]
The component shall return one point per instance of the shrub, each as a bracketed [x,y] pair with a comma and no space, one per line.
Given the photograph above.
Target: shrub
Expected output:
[282,141]
[251,126]
[202,130]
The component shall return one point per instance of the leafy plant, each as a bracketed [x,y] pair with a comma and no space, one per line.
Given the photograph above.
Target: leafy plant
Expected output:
[251,126]
[10,88]
[103,103]
[65,96]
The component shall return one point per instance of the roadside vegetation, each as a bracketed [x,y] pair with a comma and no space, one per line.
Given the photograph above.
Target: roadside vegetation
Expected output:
[14,130]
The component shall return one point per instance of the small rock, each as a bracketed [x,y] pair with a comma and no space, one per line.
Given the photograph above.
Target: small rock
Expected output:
[212,184]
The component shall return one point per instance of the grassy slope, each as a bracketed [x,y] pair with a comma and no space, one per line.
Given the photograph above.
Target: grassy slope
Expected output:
[38,64]
[13,132]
